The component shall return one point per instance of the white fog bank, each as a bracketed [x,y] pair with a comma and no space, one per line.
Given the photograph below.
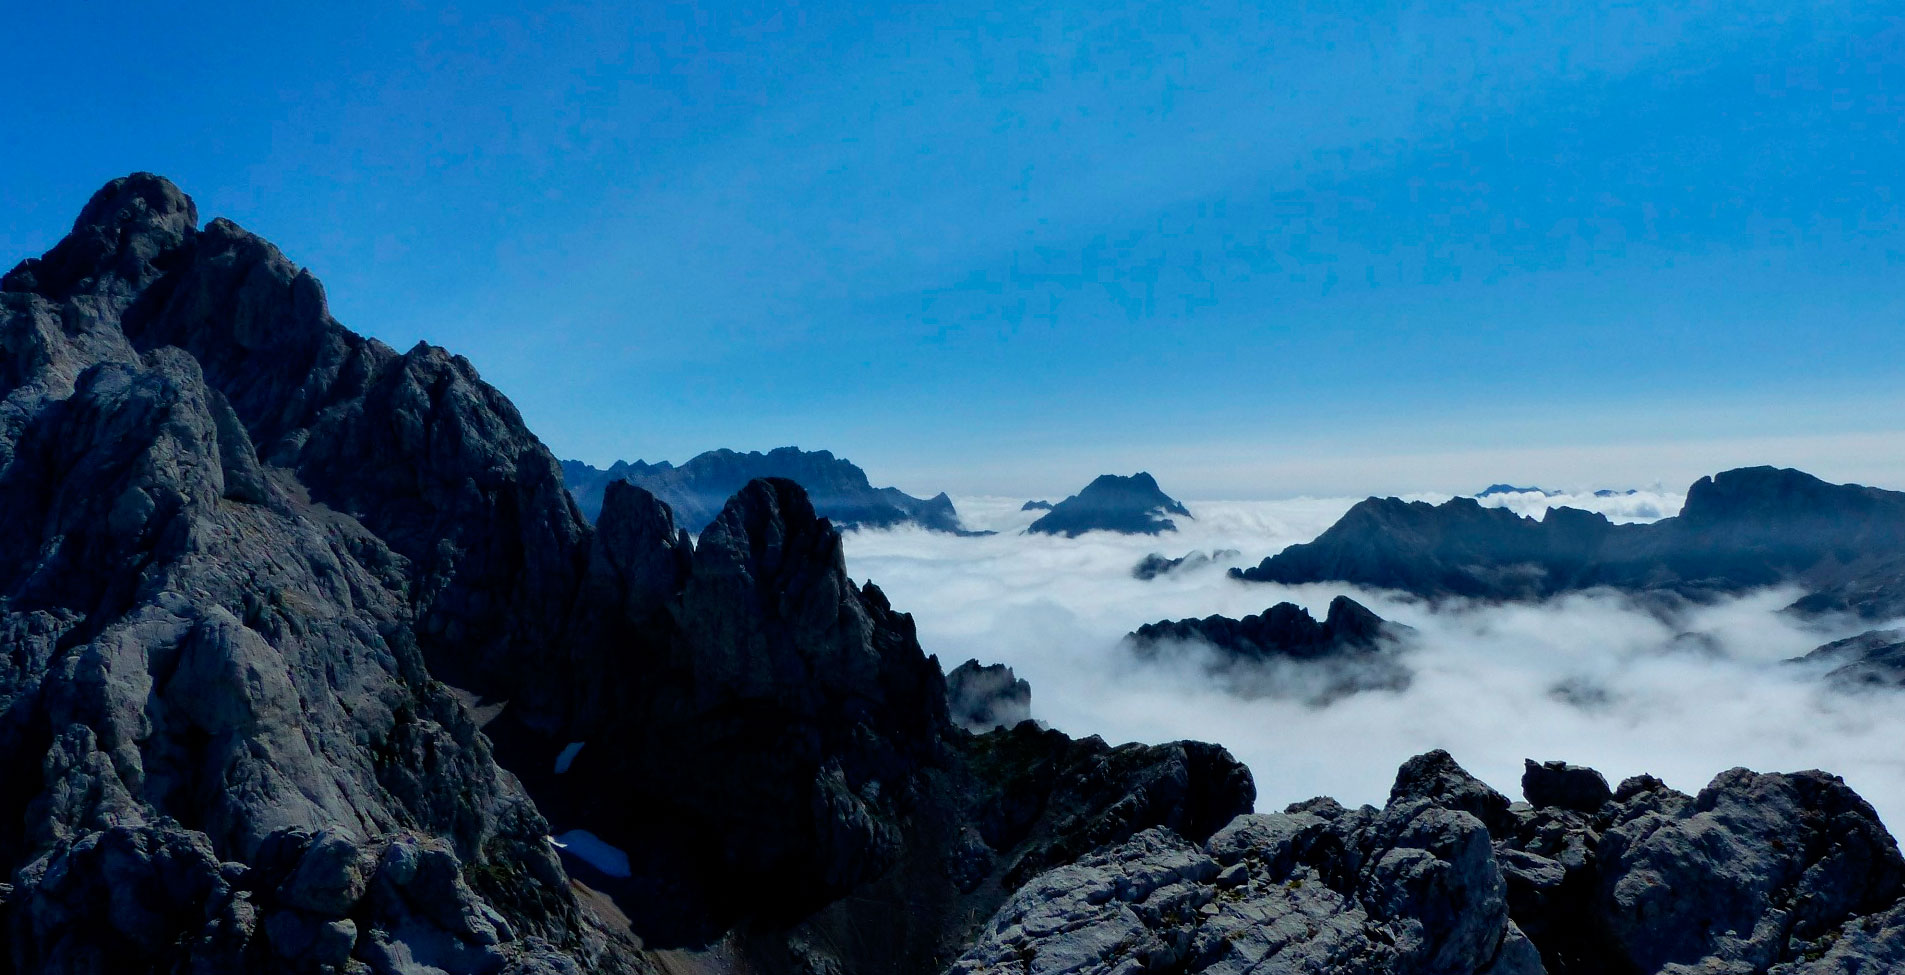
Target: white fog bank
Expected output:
[1592,679]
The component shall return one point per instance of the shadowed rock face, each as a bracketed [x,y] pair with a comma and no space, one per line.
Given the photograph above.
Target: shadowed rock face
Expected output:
[787,734]
[1871,660]
[1738,530]
[221,746]
[1155,565]
[1758,873]
[1127,505]
[984,697]
[239,547]
[698,489]
[1285,652]
[1284,630]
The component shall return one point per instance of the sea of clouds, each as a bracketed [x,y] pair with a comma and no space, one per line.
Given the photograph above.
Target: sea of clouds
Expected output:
[1595,679]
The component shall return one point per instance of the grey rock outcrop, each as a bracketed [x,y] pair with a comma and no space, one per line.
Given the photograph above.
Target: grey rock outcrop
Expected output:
[1784,874]
[202,663]
[1565,786]
[982,697]
[1132,505]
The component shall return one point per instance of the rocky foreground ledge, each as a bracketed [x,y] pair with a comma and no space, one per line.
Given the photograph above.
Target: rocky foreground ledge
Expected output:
[1758,873]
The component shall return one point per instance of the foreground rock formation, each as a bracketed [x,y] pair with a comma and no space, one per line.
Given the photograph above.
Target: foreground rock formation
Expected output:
[1127,505]
[1788,874]
[1739,530]
[697,490]
[221,746]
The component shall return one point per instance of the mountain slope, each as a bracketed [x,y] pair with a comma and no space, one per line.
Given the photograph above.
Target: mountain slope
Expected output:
[214,683]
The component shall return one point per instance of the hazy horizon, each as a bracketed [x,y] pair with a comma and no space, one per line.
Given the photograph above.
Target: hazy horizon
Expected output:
[1260,252]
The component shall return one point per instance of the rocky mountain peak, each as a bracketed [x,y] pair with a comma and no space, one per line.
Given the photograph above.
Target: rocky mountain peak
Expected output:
[1133,505]
[128,228]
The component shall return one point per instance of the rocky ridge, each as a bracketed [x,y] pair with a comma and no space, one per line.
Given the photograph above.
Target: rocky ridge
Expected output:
[1284,651]
[982,697]
[1738,530]
[1758,873]
[213,688]
[1873,659]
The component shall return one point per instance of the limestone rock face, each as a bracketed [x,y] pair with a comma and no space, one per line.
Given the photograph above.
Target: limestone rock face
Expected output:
[201,666]
[1759,873]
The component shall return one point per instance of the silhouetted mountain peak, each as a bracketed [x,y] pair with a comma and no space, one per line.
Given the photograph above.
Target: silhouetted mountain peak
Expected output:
[1133,505]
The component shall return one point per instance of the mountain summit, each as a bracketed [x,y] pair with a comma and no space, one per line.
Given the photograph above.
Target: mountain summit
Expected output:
[1132,505]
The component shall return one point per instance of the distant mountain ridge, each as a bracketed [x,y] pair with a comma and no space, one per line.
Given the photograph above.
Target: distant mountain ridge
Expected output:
[1498,489]
[1738,530]
[697,489]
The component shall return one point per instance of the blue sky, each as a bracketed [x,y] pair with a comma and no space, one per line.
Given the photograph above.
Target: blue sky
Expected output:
[1260,250]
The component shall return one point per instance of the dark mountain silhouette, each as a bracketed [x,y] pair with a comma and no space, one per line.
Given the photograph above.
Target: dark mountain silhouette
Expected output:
[1127,505]
[1738,530]
[698,489]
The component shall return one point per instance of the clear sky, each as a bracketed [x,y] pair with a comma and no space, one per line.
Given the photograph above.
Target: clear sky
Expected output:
[1260,250]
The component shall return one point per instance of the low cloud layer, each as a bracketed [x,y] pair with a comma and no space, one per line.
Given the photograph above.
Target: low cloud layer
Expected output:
[1596,679]
[1646,504]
